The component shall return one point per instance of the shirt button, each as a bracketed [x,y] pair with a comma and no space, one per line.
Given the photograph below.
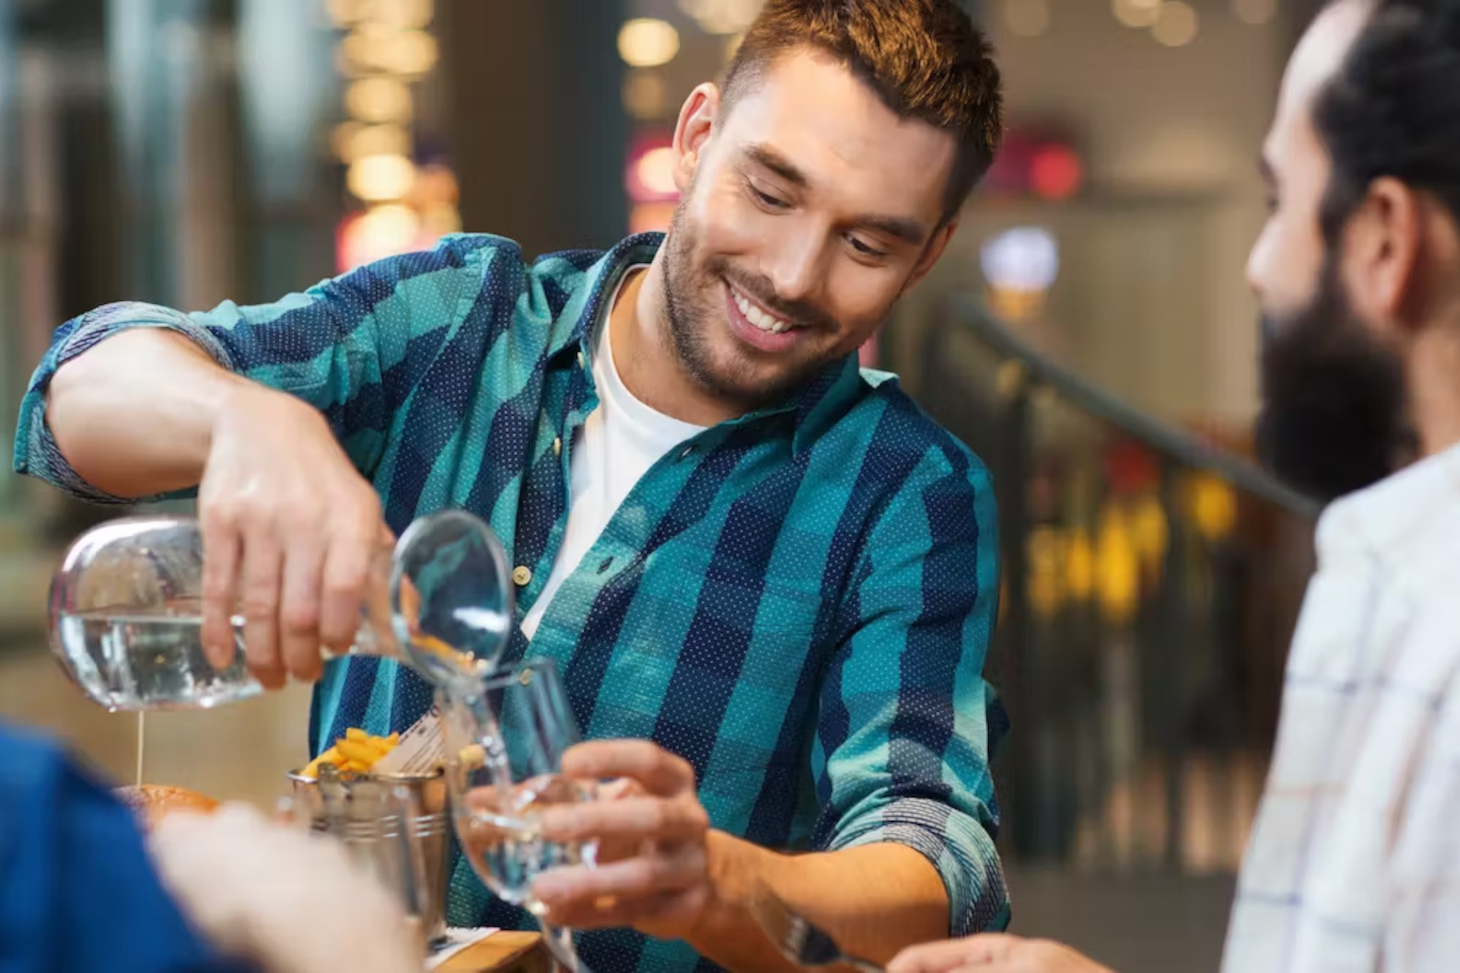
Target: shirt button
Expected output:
[558,446]
[522,575]
[581,360]
[685,453]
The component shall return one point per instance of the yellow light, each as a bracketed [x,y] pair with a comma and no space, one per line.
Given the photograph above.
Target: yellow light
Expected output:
[382,231]
[645,95]
[1254,11]
[647,42]
[1176,24]
[379,100]
[405,14]
[1027,18]
[375,48]
[363,140]
[722,16]
[1118,568]
[376,178]
[1136,13]
[344,12]
[1080,565]
[655,170]
[1213,506]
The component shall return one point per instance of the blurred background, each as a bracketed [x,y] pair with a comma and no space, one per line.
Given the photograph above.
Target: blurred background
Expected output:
[1089,334]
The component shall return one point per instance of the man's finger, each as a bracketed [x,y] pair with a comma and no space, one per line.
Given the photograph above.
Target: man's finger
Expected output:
[342,595]
[220,586]
[632,878]
[988,951]
[299,610]
[262,567]
[659,771]
[648,818]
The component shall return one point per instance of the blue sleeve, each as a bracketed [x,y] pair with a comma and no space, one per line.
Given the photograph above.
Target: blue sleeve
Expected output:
[355,347]
[907,718]
[77,890]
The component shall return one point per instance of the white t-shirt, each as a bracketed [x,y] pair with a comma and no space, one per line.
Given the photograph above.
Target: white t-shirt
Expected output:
[616,445]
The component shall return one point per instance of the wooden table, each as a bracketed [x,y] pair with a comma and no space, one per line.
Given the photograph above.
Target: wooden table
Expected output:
[501,952]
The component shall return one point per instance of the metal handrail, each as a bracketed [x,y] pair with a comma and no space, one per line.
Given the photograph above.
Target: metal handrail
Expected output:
[969,314]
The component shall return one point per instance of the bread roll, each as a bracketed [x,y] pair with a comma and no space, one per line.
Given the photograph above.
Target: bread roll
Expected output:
[153,802]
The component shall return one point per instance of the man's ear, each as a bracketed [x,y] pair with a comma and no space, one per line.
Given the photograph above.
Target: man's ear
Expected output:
[692,132]
[1381,250]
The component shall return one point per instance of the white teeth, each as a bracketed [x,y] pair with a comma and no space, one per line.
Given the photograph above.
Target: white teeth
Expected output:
[759,318]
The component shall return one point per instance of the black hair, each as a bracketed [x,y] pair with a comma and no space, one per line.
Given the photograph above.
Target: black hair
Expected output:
[1393,108]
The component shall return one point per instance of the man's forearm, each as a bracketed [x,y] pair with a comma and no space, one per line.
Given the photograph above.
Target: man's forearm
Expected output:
[134,415]
[874,900]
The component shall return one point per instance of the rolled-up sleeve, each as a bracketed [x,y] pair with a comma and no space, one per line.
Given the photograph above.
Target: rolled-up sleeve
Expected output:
[354,346]
[906,717]
[36,452]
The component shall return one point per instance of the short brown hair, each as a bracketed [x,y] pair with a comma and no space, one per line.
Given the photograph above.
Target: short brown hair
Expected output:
[925,58]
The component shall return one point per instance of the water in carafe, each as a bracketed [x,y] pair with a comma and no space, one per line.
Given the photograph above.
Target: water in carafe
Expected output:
[141,660]
[126,611]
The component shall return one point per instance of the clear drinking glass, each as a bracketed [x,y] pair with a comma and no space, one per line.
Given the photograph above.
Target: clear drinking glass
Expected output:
[504,749]
[126,611]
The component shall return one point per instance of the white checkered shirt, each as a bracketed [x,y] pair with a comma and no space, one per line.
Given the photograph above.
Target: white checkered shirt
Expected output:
[1354,860]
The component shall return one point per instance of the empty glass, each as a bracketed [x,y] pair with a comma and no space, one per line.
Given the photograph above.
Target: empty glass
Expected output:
[126,611]
[504,750]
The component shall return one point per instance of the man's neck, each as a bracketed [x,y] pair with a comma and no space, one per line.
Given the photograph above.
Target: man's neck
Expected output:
[644,353]
[1434,392]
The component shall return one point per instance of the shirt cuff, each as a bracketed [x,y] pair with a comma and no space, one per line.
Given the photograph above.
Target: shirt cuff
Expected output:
[36,452]
[958,847]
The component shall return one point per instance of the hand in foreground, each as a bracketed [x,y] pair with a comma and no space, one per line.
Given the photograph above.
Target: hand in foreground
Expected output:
[291,901]
[652,869]
[993,953]
[290,533]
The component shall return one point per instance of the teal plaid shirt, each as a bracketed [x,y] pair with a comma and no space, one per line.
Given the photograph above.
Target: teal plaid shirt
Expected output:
[797,601]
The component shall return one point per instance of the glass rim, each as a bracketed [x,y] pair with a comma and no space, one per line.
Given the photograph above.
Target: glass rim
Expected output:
[506,677]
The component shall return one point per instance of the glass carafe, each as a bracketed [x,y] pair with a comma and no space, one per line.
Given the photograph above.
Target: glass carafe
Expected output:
[126,611]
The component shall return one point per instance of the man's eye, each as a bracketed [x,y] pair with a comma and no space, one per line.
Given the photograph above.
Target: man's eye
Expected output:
[766,199]
[865,249]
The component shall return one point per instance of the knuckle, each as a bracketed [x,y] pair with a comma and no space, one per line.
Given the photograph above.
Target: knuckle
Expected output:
[258,604]
[218,517]
[299,619]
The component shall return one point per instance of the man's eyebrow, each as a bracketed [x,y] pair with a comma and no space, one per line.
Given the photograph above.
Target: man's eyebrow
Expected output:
[771,159]
[908,231]
[899,228]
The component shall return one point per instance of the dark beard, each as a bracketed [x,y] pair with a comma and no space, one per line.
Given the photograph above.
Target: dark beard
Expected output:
[686,325]
[1333,418]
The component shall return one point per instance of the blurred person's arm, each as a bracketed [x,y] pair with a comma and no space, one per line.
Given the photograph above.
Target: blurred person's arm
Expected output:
[903,851]
[290,900]
[77,889]
[275,415]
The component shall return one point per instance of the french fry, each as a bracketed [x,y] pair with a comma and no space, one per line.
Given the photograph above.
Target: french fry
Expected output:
[355,753]
[358,752]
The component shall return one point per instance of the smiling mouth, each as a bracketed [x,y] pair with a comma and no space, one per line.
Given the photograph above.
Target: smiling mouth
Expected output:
[758,316]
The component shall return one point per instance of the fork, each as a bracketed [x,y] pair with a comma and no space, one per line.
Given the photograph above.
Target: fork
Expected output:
[801,941]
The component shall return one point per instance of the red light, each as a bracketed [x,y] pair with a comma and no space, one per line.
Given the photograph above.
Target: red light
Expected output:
[1055,172]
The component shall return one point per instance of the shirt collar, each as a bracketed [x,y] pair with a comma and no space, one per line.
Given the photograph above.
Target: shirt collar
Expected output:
[813,408]
[1392,518]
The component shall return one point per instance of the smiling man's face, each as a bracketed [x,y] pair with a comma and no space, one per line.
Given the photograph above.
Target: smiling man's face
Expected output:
[809,208]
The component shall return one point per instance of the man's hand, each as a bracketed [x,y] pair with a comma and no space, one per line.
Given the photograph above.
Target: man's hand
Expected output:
[652,869]
[290,534]
[993,953]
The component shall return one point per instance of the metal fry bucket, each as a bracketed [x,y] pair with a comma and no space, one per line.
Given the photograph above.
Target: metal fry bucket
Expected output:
[397,826]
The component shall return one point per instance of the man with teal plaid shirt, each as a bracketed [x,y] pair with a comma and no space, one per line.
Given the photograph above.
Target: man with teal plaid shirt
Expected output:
[768,579]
